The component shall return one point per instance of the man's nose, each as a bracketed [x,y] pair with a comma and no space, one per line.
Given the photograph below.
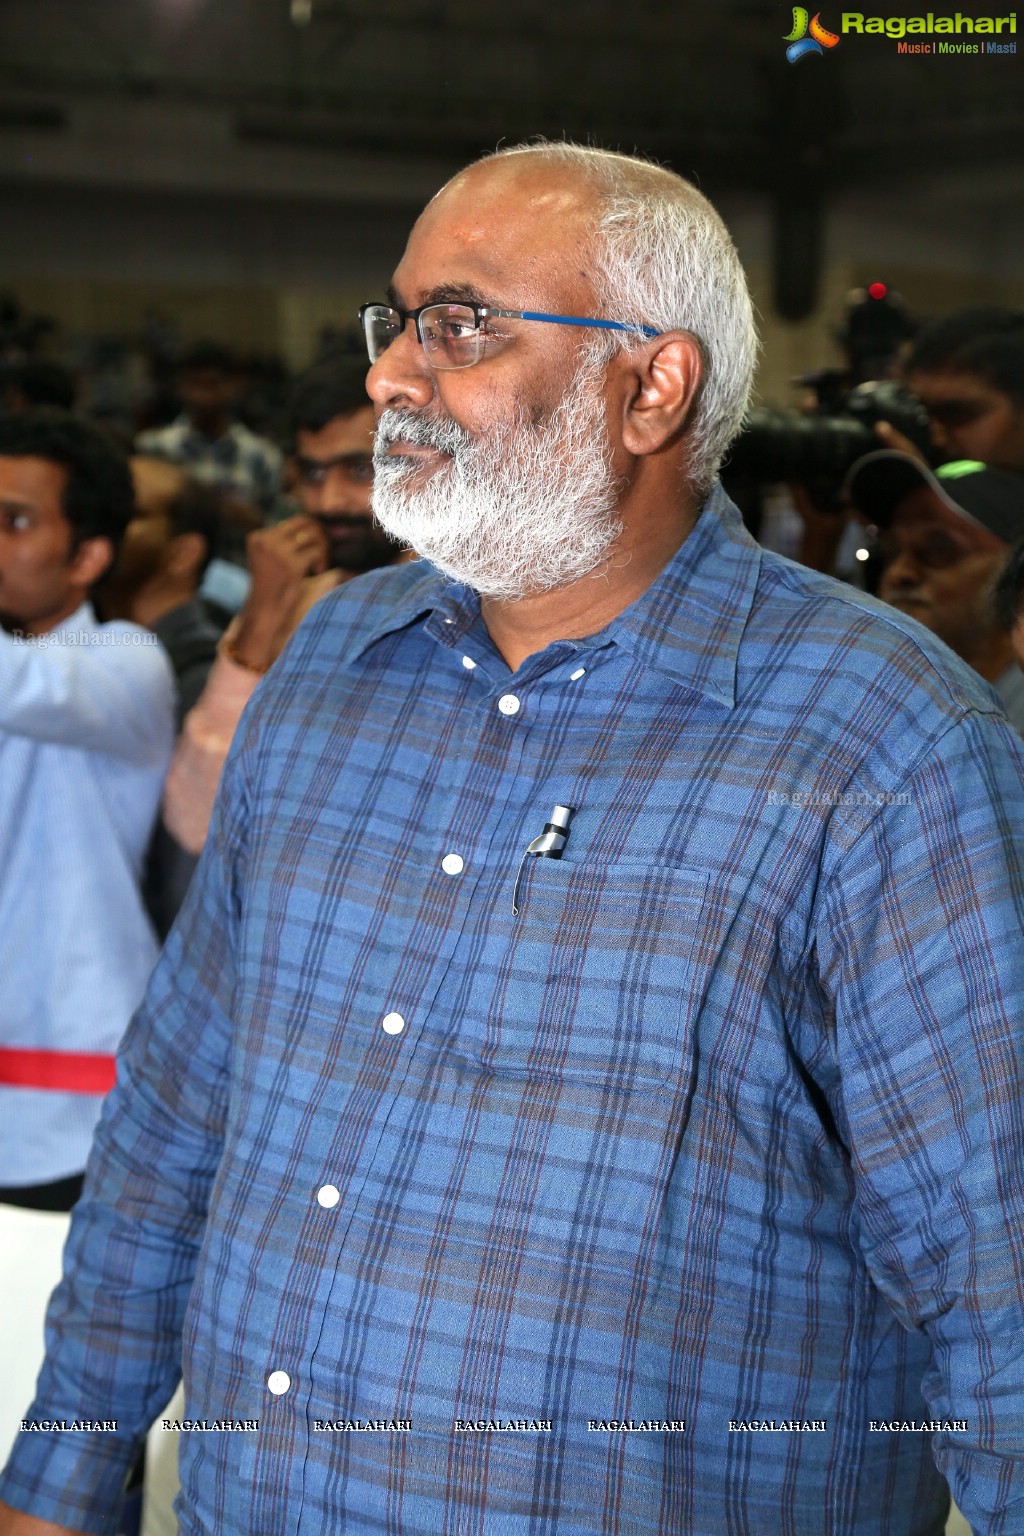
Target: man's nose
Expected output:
[401,378]
[902,571]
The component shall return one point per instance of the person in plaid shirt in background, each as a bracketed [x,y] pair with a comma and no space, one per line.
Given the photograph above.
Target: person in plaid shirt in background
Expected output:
[207,441]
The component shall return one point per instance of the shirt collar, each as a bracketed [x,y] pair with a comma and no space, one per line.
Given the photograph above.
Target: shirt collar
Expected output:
[82,618]
[688,623]
[418,597]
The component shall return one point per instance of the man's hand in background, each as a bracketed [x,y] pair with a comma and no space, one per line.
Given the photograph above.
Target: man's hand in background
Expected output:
[889,438]
[288,565]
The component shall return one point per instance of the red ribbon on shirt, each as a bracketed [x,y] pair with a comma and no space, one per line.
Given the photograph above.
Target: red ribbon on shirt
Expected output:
[60,1071]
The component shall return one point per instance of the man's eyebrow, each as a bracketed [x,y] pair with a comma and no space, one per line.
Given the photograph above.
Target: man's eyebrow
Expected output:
[457,293]
[447,293]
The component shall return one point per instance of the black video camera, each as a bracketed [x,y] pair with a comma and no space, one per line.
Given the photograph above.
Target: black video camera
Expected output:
[817,450]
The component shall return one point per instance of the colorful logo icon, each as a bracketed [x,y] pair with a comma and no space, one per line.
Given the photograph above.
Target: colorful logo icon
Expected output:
[800,43]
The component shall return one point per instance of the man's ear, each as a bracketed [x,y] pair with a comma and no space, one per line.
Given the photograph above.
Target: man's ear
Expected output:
[187,554]
[665,375]
[92,559]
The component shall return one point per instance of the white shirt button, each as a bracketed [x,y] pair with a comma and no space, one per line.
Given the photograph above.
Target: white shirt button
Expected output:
[452,864]
[469,663]
[508,704]
[278,1382]
[574,677]
[328,1197]
[392,1023]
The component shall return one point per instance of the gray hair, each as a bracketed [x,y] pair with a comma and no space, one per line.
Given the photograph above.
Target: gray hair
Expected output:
[665,259]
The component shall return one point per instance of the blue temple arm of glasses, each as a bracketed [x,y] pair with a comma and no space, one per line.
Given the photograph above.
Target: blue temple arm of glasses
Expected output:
[604,325]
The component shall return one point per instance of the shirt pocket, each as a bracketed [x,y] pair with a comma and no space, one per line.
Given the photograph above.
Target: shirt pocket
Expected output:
[600,983]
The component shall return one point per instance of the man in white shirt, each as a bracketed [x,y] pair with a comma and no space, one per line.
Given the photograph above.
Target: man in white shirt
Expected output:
[86,727]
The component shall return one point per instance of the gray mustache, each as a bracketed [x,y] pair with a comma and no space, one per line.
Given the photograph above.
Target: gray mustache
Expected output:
[420,431]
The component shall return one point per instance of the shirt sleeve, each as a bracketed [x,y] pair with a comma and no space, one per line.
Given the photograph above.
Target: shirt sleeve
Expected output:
[108,694]
[114,1324]
[199,753]
[921,953]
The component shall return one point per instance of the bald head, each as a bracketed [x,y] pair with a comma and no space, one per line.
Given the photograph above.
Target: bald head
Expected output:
[546,185]
[517,208]
[605,172]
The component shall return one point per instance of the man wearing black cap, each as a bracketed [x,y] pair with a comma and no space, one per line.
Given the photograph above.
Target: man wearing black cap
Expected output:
[945,538]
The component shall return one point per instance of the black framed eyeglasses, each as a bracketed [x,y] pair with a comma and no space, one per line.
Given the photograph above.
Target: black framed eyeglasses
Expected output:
[455,335]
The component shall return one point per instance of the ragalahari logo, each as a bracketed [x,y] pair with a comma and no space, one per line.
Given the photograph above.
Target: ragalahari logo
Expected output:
[800,43]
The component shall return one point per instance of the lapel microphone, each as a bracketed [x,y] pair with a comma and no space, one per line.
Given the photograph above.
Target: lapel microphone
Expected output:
[549,845]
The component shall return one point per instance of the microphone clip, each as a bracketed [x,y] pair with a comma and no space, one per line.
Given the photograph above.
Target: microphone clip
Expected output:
[549,845]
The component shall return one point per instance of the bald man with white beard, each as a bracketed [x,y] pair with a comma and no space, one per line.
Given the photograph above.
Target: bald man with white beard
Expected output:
[582,1093]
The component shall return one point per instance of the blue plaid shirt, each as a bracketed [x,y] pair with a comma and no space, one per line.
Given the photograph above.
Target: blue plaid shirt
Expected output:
[687,1200]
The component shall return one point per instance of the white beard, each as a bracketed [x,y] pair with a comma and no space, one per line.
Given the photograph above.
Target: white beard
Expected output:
[521,510]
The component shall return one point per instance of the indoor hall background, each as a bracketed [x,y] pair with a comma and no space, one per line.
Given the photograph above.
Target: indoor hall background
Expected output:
[252,166]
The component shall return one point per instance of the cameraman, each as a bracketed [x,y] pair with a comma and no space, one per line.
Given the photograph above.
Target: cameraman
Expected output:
[944,539]
[787,468]
[967,370]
